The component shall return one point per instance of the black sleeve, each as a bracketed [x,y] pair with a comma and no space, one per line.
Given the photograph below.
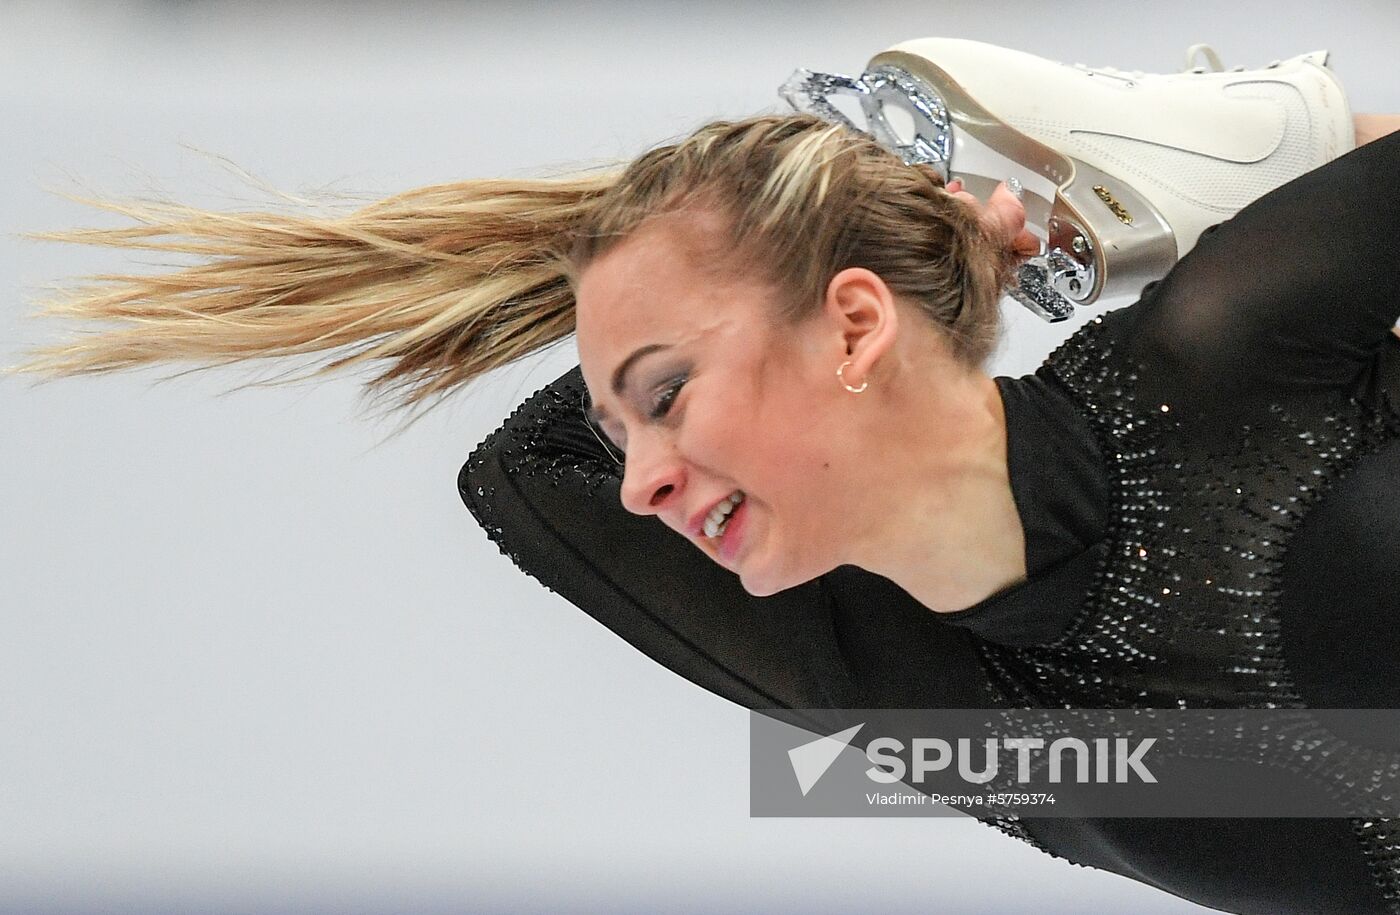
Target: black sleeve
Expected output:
[547,493]
[1297,292]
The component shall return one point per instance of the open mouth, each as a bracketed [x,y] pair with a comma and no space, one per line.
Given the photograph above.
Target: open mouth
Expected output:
[718,518]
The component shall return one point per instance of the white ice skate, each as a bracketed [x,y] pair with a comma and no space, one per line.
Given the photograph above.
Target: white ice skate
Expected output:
[1121,171]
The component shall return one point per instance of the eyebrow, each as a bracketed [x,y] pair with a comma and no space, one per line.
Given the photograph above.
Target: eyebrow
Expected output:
[619,378]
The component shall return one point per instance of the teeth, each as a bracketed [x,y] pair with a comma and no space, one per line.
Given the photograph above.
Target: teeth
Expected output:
[719,515]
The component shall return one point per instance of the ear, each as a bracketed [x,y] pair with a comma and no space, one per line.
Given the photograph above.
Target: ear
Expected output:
[863,310]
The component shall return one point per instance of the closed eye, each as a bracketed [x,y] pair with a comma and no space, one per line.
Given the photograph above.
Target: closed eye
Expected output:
[666,398]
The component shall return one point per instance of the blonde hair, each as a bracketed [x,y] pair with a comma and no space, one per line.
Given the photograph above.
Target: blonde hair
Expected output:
[451,281]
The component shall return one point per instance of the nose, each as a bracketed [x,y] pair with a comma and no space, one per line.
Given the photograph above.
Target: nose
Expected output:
[652,475]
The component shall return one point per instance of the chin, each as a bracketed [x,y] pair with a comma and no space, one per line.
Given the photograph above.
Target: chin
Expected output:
[759,585]
[764,590]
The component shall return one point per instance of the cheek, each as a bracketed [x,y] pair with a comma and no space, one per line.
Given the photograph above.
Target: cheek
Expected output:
[759,439]
[768,428]
[800,419]
[790,452]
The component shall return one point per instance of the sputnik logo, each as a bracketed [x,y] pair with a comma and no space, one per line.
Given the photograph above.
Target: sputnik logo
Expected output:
[811,760]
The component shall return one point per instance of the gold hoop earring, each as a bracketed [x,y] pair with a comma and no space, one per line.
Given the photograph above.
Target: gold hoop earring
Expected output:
[863,385]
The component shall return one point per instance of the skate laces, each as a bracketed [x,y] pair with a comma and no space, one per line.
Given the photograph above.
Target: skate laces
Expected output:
[1213,64]
[1212,58]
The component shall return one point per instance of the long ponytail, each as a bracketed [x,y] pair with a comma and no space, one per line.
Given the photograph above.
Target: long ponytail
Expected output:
[445,282]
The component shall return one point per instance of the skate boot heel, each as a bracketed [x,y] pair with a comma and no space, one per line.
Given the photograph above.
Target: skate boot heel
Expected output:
[1099,237]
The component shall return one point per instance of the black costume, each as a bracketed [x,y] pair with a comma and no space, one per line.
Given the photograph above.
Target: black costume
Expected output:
[1209,482]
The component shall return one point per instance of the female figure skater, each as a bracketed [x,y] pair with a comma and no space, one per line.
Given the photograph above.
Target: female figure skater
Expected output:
[781,471]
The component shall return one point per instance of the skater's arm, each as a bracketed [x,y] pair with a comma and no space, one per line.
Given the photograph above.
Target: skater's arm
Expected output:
[1299,290]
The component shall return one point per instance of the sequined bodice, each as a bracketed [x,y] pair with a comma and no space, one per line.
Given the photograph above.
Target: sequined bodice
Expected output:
[1183,609]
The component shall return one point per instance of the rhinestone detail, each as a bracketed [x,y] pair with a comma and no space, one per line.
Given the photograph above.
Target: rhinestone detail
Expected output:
[1184,610]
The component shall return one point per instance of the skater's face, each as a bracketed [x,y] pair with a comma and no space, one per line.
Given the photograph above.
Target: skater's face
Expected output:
[717,396]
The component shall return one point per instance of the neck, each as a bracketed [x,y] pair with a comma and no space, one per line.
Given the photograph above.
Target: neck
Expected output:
[943,524]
